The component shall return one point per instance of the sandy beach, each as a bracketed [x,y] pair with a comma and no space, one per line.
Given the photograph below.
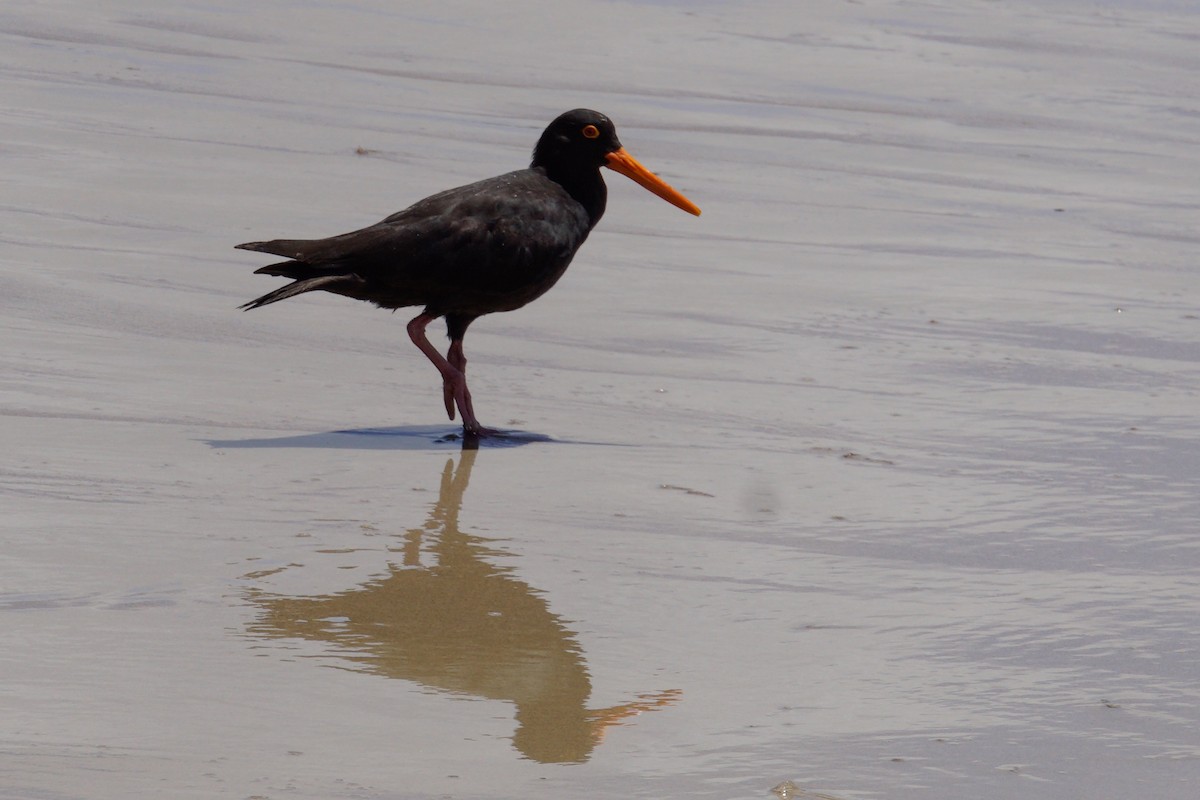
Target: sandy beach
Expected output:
[877,480]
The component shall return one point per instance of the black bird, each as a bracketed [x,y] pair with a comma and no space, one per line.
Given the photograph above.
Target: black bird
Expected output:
[489,246]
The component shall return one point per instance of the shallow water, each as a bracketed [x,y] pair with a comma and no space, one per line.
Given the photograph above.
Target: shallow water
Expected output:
[879,477]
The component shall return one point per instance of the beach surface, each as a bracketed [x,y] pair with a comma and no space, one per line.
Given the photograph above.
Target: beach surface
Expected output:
[880,479]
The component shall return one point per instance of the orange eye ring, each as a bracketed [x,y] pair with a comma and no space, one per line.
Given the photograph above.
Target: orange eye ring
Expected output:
[591,132]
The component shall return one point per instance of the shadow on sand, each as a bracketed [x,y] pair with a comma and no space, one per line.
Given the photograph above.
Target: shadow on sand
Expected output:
[413,437]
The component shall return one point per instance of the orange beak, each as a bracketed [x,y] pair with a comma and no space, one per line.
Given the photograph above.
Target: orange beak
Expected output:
[620,161]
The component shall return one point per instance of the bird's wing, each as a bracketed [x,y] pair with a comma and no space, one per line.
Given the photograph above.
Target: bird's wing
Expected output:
[344,247]
[431,216]
[490,232]
[493,235]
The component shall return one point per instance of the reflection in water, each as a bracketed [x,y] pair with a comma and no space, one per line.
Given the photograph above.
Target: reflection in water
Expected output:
[462,625]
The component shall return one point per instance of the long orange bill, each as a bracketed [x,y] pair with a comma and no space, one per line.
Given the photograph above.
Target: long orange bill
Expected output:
[620,161]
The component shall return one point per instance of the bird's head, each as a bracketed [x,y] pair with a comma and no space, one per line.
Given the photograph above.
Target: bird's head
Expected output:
[585,139]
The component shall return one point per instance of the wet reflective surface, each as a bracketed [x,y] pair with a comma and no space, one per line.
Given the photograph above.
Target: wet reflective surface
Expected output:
[446,618]
[877,480]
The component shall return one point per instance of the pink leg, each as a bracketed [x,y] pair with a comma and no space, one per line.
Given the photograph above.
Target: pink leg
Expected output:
[459,361]
[454,378]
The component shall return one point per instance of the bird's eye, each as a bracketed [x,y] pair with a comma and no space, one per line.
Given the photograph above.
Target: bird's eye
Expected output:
[590,132]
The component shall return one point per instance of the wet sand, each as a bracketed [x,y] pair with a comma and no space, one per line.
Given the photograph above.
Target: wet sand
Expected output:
[880,477]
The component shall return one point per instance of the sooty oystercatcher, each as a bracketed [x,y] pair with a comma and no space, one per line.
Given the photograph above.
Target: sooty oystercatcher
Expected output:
[489,246]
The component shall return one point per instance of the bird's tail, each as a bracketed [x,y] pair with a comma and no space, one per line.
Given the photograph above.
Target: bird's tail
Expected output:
[293,289]
[299,249]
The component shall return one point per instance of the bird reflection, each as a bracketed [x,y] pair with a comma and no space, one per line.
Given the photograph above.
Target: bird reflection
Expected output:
[449,619]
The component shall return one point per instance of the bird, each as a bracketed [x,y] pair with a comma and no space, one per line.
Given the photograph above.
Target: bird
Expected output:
[490,246]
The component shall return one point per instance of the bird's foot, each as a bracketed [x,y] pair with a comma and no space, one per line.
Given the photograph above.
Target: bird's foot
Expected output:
[475,430]
[455,394]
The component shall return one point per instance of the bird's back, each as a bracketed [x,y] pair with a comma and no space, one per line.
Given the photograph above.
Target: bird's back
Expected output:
[493,245]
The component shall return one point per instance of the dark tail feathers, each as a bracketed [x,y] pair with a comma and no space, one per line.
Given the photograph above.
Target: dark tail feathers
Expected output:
[288,248]
[293,289]
[306,275]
